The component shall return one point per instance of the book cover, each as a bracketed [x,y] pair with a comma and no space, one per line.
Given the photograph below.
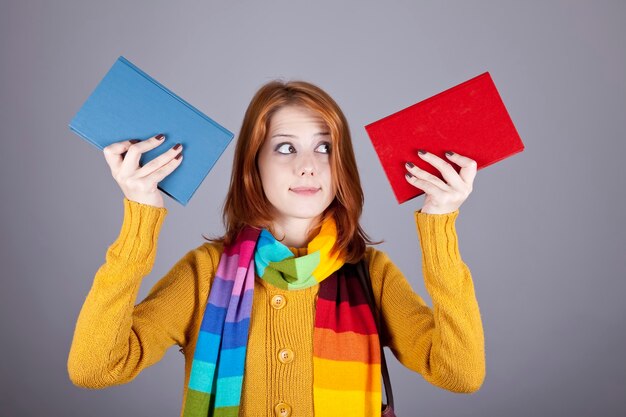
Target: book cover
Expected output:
[469,119]
[129,104]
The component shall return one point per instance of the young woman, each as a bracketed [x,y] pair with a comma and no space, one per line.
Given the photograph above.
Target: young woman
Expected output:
[270,316]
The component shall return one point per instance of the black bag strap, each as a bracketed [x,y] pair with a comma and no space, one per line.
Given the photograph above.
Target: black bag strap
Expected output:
[366,282]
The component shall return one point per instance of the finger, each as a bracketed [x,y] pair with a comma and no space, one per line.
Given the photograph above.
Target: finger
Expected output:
[114,153]
[447,171]
[159,161]
[468,167]
[428,187]
[131,160]
[158,175]
[426,176]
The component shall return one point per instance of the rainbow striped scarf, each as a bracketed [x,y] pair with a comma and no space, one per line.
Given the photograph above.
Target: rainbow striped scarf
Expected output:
[346,350]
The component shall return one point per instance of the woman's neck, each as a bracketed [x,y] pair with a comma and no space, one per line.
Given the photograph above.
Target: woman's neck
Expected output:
[294,230]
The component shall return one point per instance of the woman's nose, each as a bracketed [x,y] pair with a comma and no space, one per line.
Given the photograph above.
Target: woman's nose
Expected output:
[306,166]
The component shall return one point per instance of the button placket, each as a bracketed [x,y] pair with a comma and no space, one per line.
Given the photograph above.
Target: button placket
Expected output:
[282,409]
[285,355]
[278,301]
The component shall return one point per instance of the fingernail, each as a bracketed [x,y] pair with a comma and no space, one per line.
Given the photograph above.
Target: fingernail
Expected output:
[421,151]
[410,164]
[134,140]
[160,136]
[177,146]
[409,176]
[449,153]
[180,155]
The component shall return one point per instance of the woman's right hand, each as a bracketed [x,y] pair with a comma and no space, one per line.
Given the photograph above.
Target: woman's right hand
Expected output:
[140,183]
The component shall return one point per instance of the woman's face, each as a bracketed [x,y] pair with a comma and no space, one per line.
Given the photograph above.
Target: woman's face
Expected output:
[294,164]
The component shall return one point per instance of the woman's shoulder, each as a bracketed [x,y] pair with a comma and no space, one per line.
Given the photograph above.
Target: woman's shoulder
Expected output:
[373,251]
[204,256]
[375,257]
[212,249]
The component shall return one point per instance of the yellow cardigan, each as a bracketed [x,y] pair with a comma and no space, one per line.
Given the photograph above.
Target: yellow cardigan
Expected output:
[115,339]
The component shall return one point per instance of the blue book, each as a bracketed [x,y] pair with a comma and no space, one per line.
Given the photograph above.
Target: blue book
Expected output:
[129,104]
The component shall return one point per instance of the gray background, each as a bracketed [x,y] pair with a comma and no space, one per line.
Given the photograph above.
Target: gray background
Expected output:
[542,233]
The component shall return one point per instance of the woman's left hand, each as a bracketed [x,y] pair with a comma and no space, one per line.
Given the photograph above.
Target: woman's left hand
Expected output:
[443,197]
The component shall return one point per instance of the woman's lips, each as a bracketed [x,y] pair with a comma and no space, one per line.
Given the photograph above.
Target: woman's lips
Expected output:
[304,191]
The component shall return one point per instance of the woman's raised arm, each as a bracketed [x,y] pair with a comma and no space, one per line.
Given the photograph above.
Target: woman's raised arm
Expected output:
[115,340]
[445,344]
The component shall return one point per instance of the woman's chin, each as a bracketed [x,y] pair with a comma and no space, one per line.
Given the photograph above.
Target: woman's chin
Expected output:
[303,212]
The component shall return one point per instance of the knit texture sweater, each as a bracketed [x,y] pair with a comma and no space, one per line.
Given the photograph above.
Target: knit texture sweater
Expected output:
[114,339]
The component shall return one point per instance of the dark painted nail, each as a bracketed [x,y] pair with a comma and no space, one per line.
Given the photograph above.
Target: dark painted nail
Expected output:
[449,153]
[410,164]
[421,151]
[134,141]
[177,146]
[180,155]
[409,176]
[160,136]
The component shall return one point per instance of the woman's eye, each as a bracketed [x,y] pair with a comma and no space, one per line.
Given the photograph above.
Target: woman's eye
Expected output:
[327,145]
[285,146]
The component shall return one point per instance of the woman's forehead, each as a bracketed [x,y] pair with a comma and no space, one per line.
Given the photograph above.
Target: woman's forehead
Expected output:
[296,117]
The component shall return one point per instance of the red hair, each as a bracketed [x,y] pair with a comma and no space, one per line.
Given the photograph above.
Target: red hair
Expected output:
[246,203]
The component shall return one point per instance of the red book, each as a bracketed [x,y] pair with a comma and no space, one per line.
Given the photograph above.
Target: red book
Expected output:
[469,119]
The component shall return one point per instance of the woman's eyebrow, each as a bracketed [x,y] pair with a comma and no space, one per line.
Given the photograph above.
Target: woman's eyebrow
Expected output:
[294,136]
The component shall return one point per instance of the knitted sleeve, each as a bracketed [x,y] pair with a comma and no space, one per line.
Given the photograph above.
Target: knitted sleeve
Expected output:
[114,340]
[445,344]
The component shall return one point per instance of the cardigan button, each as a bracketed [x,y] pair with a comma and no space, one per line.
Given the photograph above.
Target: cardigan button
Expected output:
[282,410]
[278,301]
[285,355]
